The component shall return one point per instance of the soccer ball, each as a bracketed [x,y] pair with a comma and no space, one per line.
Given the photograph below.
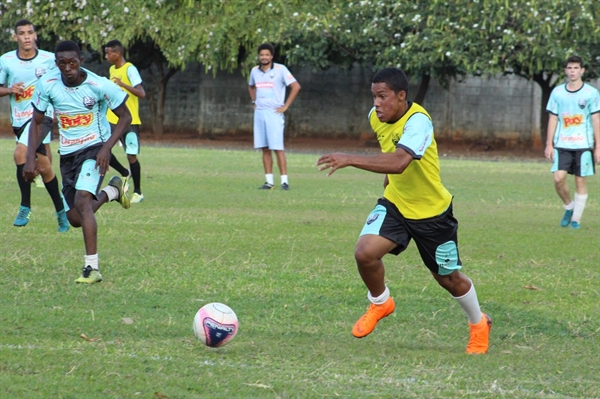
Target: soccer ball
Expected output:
[215,324]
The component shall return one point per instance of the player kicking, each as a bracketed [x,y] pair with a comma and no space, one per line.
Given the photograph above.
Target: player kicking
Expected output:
[80,99]
[415,206]
[20,70]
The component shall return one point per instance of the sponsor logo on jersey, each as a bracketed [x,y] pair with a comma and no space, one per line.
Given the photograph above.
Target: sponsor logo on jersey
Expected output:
[26,95]
[78,141]
[575,120]
[67,121]
[89,102]
[265,85]
[25,114]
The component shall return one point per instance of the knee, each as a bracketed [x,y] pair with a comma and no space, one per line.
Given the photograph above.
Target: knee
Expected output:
[73,218]
[364,256]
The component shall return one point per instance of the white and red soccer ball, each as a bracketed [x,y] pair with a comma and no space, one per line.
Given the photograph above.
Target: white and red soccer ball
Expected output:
[215,324]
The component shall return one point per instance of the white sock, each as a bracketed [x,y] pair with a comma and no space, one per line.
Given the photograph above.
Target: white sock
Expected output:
[269,178]
[470,305]
[112,192]
[570,206]
[380,300]
[92,260]
[580,200]
[284,179]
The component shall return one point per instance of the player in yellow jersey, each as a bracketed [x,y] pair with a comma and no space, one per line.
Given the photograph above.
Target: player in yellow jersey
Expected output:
[127,77]
[415,205]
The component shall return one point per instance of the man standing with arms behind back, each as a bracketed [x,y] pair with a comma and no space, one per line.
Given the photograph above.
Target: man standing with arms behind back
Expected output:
[20,70]
[125,75]
[573,138]
[267,85]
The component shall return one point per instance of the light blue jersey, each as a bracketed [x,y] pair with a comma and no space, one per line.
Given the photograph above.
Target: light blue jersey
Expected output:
[574,110]
[16,70]
[80,110]
[270,85]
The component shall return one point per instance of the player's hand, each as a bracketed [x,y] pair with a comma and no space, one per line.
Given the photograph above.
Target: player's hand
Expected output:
[333,161]
[102,160]
[17,88]
[279,110]
[117,81]
[30,170]
[597,155]
[549,153]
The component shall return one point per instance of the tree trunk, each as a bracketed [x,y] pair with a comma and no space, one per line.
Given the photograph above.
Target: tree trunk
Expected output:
[158,96]
[423,87]
[544,81]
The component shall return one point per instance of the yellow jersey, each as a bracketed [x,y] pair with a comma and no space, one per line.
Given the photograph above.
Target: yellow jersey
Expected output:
[418,192]
[132,102]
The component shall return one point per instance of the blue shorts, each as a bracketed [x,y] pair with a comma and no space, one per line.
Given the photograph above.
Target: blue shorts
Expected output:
[436,237]
[268,129]
[22,134]
[79,173]
[130,139]
[574,162]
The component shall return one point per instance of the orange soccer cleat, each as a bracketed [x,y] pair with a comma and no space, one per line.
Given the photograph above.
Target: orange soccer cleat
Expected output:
[366,324]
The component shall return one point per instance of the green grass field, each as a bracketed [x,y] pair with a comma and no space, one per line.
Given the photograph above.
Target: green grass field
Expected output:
[284,262]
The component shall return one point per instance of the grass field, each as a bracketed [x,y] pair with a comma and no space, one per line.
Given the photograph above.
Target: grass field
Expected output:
[284,262]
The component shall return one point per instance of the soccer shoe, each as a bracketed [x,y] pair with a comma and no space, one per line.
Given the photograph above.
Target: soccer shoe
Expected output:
[39,182]
[285,186]
[567,218]
[63,222]
[366,324]
[574,225]
[479,340]
[117,182]
[266,186]
[126,182]
[23,216]
[136,198]
[89,276]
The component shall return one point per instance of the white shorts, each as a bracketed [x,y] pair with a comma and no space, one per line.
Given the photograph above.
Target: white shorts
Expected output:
[268,129]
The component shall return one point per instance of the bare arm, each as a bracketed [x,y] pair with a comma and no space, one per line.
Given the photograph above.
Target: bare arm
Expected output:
[388,163]
[552,123]
[294,90]
[596,126]
[35,139]
[252,92]
[103,157]
[137,90]
[16,88]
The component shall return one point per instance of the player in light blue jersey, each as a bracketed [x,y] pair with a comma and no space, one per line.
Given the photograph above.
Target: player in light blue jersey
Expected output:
[573,143]
[267,86]
[19,71]
[80,99]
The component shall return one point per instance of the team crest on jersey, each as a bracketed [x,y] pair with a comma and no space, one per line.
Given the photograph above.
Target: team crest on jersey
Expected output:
[89,102]
[39,72]
[582,103]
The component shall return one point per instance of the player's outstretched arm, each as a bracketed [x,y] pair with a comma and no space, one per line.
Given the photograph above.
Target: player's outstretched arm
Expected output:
[103,157]
[34,141]
[388,163]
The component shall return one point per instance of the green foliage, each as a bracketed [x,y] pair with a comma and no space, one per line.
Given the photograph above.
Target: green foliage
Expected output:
[284,262]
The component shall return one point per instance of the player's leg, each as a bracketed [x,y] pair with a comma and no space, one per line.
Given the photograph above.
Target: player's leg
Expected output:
[20,156]
[382,233]
[584,167]
[275,127]
[131,144]
[261,142]
[437,242]
[562,166]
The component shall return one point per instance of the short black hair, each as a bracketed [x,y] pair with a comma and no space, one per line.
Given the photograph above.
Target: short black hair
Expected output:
[68,45]
[394,78]
[266,46]
[115,44]
[574,59]
[23,22]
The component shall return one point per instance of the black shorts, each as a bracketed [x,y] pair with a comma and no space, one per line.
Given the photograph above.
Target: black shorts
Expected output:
[436,237]
[70,168]
[578,162]
[47,126]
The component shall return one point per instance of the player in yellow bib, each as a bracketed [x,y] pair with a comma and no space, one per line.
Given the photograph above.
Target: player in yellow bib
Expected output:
[415,206]
[127,77]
